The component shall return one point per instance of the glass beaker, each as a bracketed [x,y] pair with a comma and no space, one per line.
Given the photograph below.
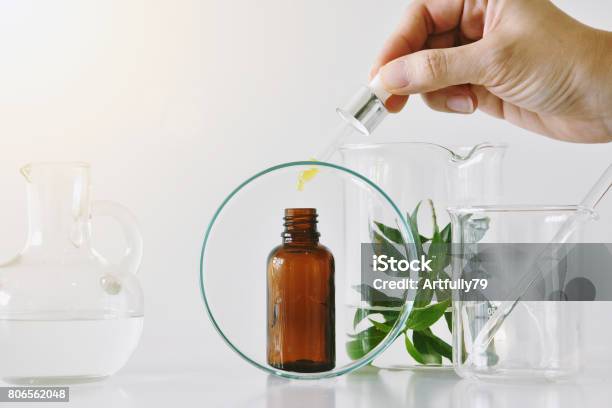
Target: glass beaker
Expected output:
[66,313]
[423,179]
[540,337]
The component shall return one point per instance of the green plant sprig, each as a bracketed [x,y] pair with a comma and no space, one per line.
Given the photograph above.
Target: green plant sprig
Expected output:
[420,341]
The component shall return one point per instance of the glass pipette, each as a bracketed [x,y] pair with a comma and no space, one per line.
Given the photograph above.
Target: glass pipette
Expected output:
[361,116]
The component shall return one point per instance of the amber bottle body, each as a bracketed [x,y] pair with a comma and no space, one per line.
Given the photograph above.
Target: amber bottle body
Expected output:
[301,298]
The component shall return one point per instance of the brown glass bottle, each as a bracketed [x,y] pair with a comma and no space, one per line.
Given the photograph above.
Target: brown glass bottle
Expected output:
[301,300]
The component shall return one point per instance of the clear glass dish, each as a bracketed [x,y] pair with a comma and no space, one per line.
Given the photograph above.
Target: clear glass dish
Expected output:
[248,225]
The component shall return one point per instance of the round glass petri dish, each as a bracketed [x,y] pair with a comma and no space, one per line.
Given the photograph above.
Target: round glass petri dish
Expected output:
[244,257]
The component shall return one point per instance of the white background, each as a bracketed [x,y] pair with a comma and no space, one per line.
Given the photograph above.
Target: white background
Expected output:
[175,103]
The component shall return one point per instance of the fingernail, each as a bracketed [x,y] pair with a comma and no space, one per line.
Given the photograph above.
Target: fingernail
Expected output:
[460,104]
[393,75]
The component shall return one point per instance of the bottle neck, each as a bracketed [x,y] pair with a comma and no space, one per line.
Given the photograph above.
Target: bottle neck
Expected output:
[300,227]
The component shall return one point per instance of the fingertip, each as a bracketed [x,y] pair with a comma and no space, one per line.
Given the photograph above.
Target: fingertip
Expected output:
[394,78]
[460,104]
[455,99]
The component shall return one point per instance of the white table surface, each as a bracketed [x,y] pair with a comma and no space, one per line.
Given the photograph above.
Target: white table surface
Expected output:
[240,385]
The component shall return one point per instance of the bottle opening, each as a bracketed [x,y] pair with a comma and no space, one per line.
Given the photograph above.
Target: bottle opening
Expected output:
[290,212]
[300,223]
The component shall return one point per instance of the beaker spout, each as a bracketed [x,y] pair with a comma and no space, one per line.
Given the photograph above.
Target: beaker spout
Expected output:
[465,154]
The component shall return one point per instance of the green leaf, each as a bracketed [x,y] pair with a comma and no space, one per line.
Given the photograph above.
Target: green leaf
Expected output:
[392,234]
[355,349]
[425,347]
[370,332]
[439,254]
[360,314]
[418,357]
[413,217]
[390,316]
[423,296]
[414,229]
[446,234]
[448,316]
[364,342]
[440,346]
[382,246]
[380,326]
[443,294]
[422,344]
[434,217]
[377,298]
[422,317]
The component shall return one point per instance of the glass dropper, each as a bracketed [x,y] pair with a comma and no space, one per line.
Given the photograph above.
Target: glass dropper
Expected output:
[361,115]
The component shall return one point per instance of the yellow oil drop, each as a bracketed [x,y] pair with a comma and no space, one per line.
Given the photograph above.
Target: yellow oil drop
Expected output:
[305,176]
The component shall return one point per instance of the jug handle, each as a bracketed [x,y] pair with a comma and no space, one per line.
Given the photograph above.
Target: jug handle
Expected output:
[133,253]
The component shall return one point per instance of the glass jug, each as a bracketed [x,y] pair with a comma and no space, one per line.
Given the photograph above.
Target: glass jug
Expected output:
[540,337]
[423,179]
[66,313]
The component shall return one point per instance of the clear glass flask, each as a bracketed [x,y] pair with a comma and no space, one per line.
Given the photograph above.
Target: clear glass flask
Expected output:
[429,177]
[540,337]
[67,314]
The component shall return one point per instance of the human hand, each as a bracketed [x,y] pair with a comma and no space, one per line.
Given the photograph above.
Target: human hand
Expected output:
[521,60]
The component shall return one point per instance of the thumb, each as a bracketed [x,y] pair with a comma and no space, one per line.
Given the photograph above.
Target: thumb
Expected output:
[430,70]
